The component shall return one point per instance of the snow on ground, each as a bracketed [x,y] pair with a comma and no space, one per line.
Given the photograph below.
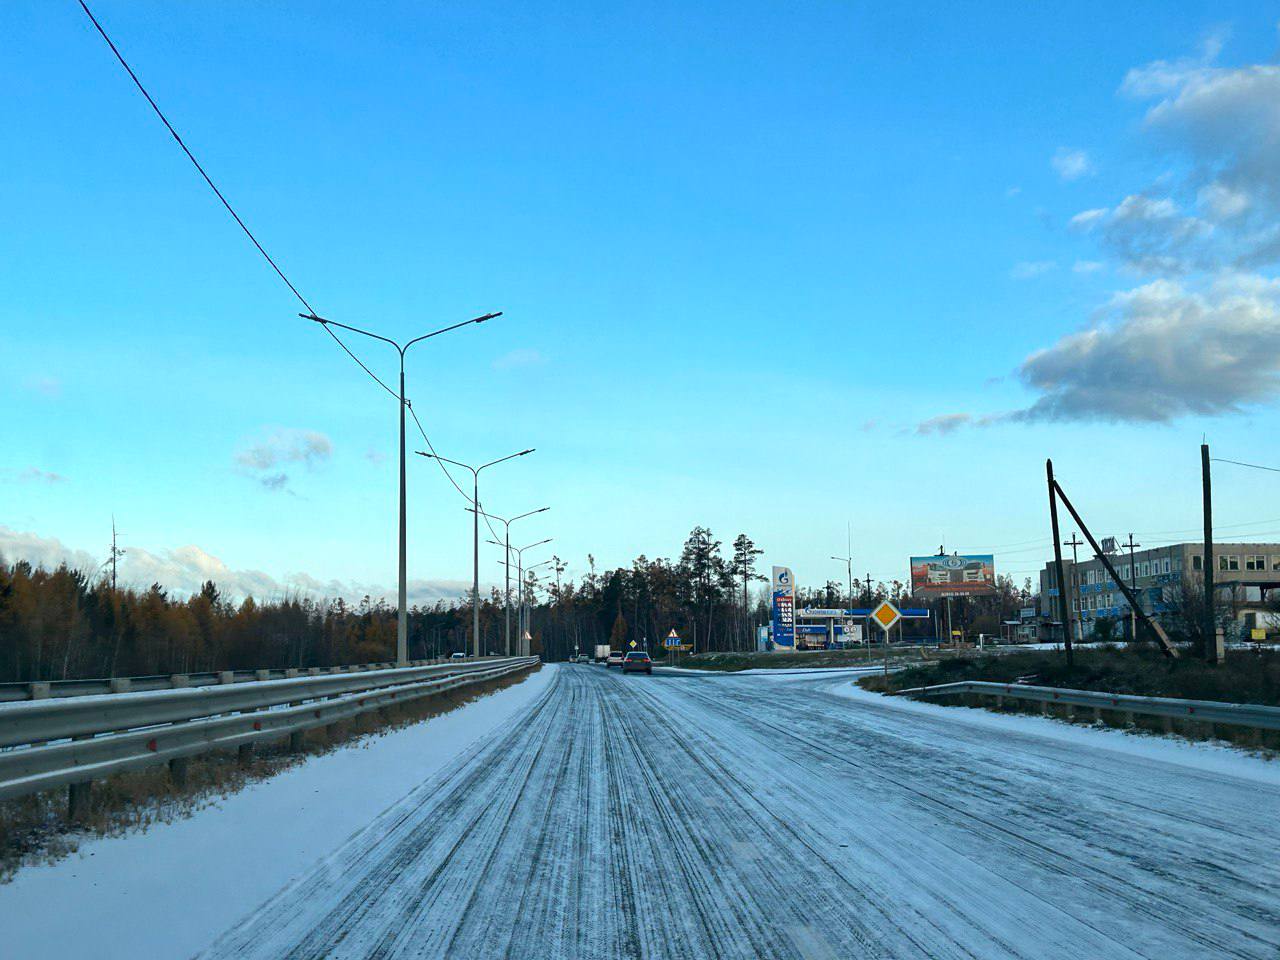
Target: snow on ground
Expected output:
[1204,756]
[170,891]
[680,818]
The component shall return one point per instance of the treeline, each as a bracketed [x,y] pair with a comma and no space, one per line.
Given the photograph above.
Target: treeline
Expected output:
[64,624]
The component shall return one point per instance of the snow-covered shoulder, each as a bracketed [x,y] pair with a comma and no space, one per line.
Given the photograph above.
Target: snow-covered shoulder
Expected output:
[169,891]
[1204,756]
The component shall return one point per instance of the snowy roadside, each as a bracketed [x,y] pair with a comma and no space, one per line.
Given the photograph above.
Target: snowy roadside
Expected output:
[772,672]
[1203,756]
[168,892]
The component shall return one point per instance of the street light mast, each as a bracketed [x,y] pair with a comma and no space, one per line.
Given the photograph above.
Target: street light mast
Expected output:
[402,620]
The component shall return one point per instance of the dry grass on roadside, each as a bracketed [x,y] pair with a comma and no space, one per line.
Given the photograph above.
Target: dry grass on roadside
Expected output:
[35,829]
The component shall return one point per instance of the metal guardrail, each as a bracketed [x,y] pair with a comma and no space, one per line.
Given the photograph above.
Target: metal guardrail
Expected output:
[71,741]
[1255,715]
[42,689]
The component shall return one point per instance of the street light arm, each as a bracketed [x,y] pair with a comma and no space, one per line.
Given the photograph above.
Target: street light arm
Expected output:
[455,326]
[510,456]
[538,544]
[529,514]
[491,516]
[335,323]
[436,456]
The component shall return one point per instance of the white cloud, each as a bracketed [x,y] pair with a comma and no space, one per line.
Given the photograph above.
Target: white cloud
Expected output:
[1071,164]
[944,424]
[1220,202]
[1162,352]
[36,475]
[1012,192]
[1150,234]
[1030,269]
[183,570]
[1087,266]
[264,460]
[1224,124]
[1088,219]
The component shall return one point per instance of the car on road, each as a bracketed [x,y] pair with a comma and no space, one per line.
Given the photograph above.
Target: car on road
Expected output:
[614,659]
[637,661]
[582,658]
[457,656]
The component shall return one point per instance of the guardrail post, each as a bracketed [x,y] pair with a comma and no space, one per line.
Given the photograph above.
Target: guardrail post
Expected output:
[178,771]
[1167,724]
[1128,718]
[227,676]
[295,741]
[244,754]
[120,685]
[290,673]
[38,691]
[262,675]
[179,680]
[78,800]
[1044,708]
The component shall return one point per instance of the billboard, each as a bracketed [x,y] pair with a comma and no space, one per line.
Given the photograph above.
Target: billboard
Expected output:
[784,608]
[954,575]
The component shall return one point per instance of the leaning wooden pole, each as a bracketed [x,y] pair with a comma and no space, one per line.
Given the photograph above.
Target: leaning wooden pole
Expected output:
[1162,638]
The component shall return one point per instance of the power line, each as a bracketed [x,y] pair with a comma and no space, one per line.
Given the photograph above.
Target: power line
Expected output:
[254,240]
[1241,463]
[190,156]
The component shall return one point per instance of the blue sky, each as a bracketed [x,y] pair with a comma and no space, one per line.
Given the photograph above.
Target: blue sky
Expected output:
[747,254]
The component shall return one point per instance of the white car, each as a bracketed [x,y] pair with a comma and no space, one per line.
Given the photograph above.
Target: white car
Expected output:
[457,656]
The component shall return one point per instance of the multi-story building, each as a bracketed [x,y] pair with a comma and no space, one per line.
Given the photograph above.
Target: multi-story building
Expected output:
[1244,573]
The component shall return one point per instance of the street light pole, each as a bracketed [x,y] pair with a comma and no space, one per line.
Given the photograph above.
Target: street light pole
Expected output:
[528,605]
[402,619]
[475,532]
[519,552]
[507,561]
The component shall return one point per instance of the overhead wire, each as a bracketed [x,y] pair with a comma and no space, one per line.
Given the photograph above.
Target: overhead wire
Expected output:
[258,246]
[1241,463]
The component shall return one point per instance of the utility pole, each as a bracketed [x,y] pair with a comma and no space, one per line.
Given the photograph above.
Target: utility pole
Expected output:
[475,532]
[1063,605]
[402,619]
[116,553]
[1212,653]
[1074,542]
[1133,588]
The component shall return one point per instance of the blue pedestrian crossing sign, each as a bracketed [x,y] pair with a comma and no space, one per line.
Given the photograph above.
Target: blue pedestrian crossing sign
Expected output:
[673,639]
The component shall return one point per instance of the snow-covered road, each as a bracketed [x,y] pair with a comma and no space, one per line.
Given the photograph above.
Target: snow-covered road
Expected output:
[693,817]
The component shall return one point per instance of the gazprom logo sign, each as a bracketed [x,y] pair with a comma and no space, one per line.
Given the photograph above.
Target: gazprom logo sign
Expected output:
[783,608]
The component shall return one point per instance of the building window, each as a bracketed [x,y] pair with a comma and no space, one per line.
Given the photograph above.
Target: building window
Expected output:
[1164,565]
[1197,562]
[1255,563]
[1275,563]
[1229,562]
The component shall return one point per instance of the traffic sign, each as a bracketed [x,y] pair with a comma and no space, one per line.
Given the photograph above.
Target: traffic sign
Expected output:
[672,640]
[886,615]
[632,644]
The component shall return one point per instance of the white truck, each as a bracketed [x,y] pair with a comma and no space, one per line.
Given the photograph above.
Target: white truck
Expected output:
[602,652]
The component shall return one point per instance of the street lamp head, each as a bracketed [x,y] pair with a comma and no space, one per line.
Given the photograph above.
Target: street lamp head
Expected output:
[423,453]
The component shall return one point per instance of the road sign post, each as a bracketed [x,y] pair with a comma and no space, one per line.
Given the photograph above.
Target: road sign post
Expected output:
[885,616]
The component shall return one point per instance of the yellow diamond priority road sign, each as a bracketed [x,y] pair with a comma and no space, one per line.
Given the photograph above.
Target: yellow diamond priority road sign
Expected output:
[886,615]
